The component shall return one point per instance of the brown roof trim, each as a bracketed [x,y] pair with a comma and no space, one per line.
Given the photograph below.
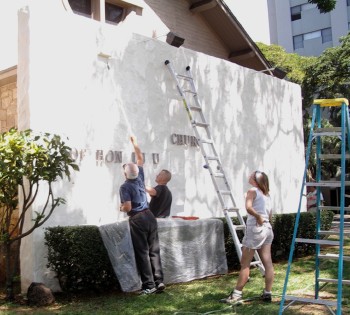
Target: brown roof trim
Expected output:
[8,75]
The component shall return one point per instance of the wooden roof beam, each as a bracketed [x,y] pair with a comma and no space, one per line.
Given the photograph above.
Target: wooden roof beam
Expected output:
[202,5]
[241,55]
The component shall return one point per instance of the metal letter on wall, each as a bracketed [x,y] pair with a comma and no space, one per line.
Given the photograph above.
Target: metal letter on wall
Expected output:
[155,158]
[99,157]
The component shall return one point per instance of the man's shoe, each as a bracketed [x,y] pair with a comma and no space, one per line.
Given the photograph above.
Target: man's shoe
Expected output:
[233,298]
[148,291]
[266,297]
[160,287]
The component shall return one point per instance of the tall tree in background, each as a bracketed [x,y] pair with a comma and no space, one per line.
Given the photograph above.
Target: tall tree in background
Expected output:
[329,77]
[324,5]
[326,76]
[293,64]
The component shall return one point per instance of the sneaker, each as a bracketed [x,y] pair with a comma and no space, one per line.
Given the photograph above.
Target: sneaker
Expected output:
[266,297]
[233,298]
[148,291]
[160,287]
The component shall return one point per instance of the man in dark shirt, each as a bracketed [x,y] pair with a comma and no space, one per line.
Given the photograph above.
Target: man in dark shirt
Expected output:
[161,197]
[143,225]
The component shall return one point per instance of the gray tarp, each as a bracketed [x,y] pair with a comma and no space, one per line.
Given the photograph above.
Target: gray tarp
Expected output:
[190,249]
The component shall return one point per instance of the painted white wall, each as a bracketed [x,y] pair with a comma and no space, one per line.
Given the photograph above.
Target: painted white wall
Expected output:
[64,87]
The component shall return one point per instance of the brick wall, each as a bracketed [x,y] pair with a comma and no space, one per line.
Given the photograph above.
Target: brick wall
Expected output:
[8,106]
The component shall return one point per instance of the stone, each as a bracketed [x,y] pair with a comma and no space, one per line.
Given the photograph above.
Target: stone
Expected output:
[39,295]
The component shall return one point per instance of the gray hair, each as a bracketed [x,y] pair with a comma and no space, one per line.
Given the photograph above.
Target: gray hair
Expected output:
[131,171]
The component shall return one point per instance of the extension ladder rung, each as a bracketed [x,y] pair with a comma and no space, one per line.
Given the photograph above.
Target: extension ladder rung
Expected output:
[333,156]
[332,232]
[208,141]
[225,192]
[220,175]
[327,183]
[232,209]
[196,108]
[314,241]
[333,256]
[307,300]
[347,282]
[255,263]
[200,124]
[183,76]
[212,158]
[240,227]
[190,91]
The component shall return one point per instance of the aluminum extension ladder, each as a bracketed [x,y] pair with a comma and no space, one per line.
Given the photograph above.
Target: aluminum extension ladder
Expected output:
[212,160]
[318,132]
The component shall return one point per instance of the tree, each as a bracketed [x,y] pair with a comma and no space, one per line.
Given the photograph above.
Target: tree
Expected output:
[328,75]
[27,161]
[293,64]
[324,5]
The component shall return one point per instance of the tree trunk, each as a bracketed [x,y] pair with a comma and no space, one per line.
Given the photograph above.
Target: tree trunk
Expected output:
[9,281]
[11,262]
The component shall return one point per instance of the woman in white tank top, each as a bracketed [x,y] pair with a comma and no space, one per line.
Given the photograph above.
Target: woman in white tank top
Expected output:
[258,236]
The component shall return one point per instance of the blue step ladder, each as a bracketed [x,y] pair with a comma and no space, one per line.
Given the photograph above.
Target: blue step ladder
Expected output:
[317,132]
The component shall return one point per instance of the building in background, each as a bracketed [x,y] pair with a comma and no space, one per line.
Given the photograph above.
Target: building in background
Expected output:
[296,25]
[309,32]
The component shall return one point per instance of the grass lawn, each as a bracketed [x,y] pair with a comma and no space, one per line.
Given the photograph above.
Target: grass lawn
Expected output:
[202,296]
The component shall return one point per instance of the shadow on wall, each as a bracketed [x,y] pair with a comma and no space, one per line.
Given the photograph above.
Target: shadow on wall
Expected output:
[246,110]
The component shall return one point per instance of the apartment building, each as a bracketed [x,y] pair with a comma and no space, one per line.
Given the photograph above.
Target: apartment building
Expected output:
[300,27]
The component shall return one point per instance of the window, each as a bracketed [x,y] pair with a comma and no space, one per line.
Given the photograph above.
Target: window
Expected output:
[326,35]
[115,10]
[348,3]
[81,7]
[295,12]
[298,42]
[312,35]
[114,13]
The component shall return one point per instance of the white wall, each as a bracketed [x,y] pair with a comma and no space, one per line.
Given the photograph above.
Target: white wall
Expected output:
[64,87]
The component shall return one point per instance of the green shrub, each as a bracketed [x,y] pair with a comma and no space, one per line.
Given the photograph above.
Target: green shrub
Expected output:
[79,258]
[283,226]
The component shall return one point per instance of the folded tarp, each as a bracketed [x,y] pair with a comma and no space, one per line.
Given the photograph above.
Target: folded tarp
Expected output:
[190,249]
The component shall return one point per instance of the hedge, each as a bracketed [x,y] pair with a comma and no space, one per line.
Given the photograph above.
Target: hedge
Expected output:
[80,260]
